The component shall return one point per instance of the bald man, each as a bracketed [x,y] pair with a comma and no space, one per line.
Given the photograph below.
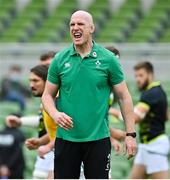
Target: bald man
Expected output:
[85,73]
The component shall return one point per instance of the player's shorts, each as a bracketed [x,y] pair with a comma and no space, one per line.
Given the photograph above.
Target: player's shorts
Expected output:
[46,164]
[154,155]
[95,156]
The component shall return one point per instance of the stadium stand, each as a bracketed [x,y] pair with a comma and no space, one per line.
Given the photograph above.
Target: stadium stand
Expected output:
[53,28]
[26,21]
[36,23]
[121,22]
[152,25]
[7,14]
[166,35]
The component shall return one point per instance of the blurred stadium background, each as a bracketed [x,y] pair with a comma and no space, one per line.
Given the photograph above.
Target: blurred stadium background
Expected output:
[140,29]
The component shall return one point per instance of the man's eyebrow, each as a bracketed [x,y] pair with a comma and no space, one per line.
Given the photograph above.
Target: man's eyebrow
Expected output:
[81,23]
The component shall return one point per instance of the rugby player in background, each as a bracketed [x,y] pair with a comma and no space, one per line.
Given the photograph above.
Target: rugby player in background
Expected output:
[41,170]
[151,114]
[46,58]
[37,79]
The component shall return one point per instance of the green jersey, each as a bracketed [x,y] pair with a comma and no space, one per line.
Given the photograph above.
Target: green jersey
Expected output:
[85,85]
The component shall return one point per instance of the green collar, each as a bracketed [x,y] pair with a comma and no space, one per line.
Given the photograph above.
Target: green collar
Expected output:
[72,50]
[92,54]
[153,84]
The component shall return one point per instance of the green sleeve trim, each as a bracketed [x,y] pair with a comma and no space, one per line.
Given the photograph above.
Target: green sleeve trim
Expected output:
[143,105]
[155,139]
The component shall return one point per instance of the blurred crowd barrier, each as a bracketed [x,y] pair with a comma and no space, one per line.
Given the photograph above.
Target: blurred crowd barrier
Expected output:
[27,55]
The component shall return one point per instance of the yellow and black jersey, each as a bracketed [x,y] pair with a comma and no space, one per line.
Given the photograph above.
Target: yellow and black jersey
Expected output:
[153,125]
[50,125]
[41,128]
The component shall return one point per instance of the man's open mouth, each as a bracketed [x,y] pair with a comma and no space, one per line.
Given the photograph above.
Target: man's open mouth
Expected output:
[77,35]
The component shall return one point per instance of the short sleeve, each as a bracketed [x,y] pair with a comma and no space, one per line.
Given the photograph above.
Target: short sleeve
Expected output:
[148,98]
[50,125]
[116,75]
[53,72]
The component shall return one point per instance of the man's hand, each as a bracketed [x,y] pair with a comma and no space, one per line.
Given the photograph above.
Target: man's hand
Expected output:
[63,120]
[4,171]
[32,143]
[13,121]
[42,150]
[116,145]
[131,146]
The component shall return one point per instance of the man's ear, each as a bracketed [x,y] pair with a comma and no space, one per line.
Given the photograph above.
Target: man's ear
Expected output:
[92,27]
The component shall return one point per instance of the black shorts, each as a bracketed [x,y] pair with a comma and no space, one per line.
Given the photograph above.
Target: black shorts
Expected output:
[95,156]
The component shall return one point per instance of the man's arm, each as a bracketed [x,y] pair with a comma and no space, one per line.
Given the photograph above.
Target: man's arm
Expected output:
[29,121]
[42,150]
[139,113]
[117,133]
[35,142]
[48,98]
[126,106]
[116,113]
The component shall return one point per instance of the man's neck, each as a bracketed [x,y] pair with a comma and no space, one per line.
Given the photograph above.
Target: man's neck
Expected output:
[84,49]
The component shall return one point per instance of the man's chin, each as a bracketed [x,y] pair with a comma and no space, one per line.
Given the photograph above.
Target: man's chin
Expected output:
[142,88]
[78,42]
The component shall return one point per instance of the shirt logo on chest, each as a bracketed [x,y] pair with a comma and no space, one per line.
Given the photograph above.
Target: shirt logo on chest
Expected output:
[67,65]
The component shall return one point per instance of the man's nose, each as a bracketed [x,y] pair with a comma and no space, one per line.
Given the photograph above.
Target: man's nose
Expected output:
[76,27]
[31,85]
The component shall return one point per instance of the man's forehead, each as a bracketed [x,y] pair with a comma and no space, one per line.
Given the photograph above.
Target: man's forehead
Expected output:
[33,76]
[81,16]
[141,71]
[78,19]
